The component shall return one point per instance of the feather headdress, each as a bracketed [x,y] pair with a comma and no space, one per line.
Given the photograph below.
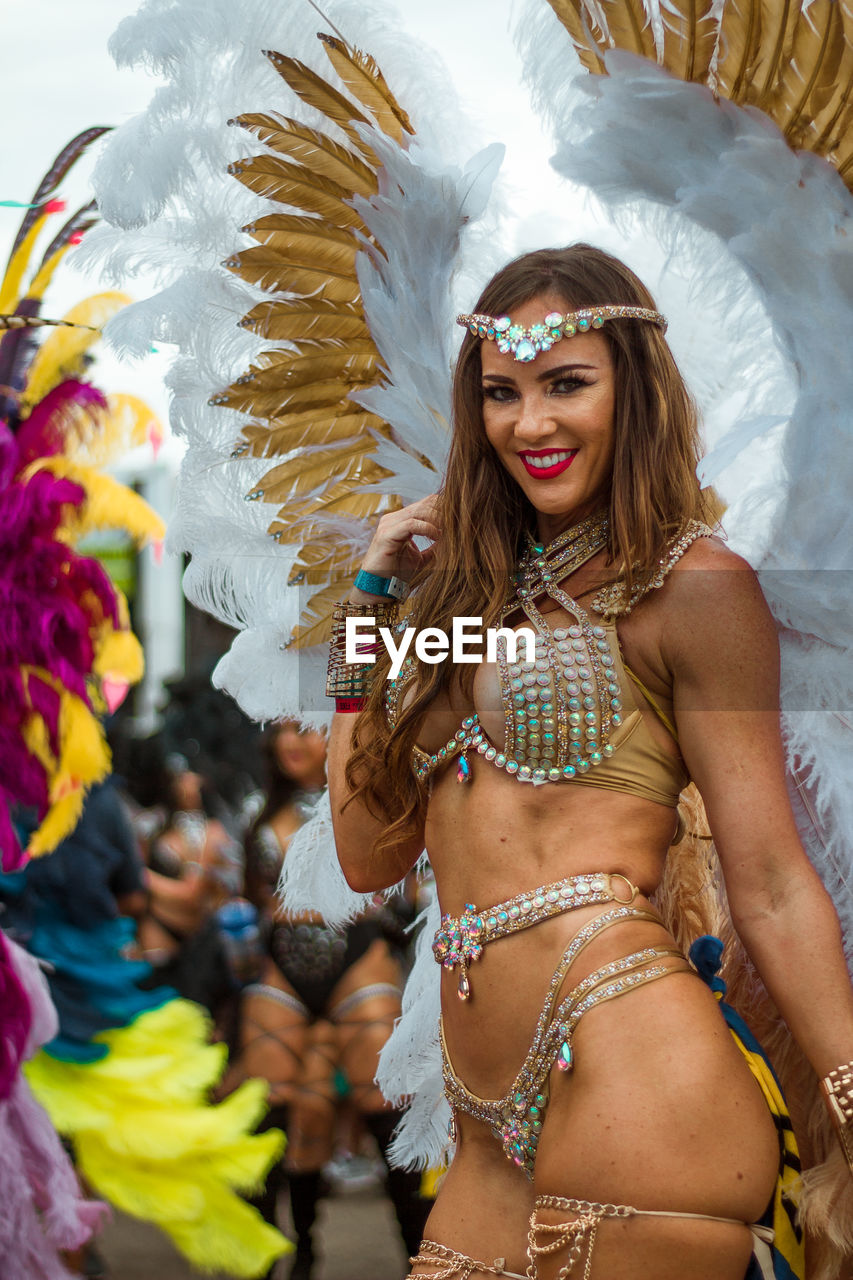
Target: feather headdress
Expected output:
[66,651]
[336,404]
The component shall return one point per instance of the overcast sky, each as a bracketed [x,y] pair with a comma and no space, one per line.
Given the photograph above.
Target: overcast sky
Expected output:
[59,79]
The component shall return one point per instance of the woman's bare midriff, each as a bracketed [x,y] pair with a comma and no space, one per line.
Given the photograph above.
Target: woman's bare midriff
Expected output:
[660,1110]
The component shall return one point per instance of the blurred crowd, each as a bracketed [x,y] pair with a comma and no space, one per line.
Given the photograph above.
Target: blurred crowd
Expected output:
[180,851]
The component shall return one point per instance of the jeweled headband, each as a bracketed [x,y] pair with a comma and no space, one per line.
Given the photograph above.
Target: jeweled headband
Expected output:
[525,344]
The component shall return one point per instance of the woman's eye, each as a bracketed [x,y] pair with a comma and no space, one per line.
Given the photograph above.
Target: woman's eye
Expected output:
[499,394]
[563,385]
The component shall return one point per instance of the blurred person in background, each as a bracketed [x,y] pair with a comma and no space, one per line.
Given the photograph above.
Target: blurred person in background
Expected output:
[325,1004]
[193,867]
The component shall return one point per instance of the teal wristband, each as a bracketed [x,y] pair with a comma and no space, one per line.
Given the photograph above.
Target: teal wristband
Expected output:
[371,583]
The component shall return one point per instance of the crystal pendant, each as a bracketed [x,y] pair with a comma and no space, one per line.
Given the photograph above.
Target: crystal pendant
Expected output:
[464,991]
[463,769]
[565,1057]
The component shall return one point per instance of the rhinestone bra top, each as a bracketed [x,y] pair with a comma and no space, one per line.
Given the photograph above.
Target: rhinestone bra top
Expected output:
[571,708]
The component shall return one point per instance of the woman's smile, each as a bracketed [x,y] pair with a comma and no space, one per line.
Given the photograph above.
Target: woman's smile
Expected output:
[546,462]
[551,422]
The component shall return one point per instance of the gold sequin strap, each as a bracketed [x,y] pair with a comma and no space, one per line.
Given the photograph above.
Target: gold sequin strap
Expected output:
[613,601]
[450,1265]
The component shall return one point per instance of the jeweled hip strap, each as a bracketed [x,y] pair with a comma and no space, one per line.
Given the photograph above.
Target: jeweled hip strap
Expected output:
[460,939]
[448,1263]
[578,1235]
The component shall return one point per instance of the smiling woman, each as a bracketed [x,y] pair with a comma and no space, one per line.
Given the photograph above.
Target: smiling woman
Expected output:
[551,423]
[571,505]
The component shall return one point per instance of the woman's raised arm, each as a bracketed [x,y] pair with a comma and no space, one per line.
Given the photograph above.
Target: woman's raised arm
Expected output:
[392,553]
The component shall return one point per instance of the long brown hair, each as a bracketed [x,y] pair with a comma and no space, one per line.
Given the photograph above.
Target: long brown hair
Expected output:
[484,516]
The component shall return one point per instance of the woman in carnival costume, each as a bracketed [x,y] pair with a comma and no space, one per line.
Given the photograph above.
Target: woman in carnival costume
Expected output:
[326,1000]
[570,506]
[572,476]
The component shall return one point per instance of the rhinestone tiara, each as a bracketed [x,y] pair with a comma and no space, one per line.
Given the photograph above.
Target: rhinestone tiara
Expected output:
[524,344]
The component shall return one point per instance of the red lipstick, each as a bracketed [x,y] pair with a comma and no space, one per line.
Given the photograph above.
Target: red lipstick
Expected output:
[533,466]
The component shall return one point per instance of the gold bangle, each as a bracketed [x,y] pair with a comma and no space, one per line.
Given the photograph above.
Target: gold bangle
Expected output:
[837,1089]
[351,679]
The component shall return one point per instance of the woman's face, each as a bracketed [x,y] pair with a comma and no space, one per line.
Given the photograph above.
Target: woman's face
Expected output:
[552,422]
[186,789]
[301,754]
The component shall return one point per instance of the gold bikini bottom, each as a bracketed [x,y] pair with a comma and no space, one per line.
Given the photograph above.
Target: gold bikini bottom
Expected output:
[516,1119]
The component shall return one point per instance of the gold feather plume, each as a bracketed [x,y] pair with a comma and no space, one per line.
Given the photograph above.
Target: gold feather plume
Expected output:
[297,398]
[793,62]
[63,354]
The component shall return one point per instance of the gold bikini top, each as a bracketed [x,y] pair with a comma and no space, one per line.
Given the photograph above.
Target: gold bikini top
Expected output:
[570,713]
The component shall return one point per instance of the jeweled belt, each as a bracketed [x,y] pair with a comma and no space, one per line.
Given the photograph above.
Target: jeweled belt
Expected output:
[460,939]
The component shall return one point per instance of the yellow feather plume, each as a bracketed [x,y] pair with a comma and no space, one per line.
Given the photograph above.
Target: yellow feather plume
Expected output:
[40,281]
[362,77]
[60,355]
[148,1140]
[132,422]
[108,505]
[84,758]
[97,437]
[37,741]
[119,654]
[11,286]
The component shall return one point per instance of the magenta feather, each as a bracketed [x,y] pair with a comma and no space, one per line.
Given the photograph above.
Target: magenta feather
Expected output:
[44,432]
[52,603]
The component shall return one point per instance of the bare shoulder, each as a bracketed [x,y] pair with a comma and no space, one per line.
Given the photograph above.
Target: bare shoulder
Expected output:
[709,575]
[713,554]
[712,600]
